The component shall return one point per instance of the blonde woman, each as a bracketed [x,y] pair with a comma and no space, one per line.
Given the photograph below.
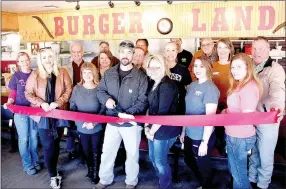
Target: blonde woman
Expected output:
[84,99]
[179,73]
[243,96]
[26,127]
[49,87]
[161,137]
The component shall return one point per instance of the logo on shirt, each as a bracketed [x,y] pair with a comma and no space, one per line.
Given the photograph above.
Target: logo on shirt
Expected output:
[215,73]
[22,82]
[198,93]
[184,60]
[176,77]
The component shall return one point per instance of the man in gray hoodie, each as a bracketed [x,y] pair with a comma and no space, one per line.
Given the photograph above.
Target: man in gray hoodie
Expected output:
[123,91]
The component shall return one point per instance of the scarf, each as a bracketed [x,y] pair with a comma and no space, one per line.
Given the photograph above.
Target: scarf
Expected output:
[258,68]
[50,97]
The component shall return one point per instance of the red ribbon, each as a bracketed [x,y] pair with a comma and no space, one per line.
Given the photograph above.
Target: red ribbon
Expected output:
[252,118]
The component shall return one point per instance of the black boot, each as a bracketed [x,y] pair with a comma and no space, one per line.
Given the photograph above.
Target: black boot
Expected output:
[95,179]
[89,161]
[89,175]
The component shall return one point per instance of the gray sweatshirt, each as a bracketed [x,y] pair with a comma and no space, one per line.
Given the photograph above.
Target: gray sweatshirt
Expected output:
[85,100]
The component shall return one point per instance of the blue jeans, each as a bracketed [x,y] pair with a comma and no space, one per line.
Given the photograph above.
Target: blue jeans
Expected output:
[237,149]
[27,140]
[158,153]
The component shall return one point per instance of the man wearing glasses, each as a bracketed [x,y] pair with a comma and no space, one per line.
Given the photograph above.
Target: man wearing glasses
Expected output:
[123,91]
[207,48]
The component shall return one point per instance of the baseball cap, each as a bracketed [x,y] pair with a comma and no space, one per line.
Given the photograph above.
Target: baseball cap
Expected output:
[126,44]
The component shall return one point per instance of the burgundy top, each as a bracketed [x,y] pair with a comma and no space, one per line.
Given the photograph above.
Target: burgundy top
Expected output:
[76,72]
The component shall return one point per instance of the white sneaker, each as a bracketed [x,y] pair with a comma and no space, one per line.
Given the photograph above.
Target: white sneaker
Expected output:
[56,182]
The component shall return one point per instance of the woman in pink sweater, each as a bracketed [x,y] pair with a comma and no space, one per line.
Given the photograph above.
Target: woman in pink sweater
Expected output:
[243,96]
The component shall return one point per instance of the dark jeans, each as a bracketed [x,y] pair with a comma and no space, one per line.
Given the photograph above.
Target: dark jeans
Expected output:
[72,134]
[90,144]
[220,140]
[200,166]
[51,148]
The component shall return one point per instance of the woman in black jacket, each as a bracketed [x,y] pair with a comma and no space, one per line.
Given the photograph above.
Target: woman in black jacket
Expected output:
[163,100]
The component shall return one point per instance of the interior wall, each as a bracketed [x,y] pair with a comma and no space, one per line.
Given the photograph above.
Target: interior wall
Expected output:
[156,46]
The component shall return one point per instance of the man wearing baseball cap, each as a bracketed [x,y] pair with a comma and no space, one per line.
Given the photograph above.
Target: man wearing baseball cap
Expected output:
[123,91]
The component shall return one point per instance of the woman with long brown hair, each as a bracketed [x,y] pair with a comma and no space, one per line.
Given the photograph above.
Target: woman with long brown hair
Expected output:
[201,99]
[84,99]
[225,51]
[105,61]
[243,96]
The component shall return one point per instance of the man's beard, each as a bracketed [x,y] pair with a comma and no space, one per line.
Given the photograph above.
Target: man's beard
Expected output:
[125,63]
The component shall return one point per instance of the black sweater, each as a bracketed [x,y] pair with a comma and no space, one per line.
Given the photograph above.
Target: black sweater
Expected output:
[163,100]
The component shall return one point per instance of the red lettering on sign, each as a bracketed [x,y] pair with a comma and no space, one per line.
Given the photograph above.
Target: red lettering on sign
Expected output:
[271,18]
[59,23]
[196,26]
[135,20]
[117,28]
[245,18]
[103,28]
[220,13]
[70,19]
[88,21]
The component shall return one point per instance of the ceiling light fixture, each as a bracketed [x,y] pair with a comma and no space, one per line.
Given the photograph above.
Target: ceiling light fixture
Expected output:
[169,2]
[77,7]
[111,5]
[137,3]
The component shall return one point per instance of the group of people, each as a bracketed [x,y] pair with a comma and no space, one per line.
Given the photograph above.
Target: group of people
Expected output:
[212,81]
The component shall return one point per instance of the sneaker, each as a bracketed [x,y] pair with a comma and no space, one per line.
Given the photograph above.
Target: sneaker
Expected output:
[102,186]
[31,171]
[38,167]
[130,186]
[56,182]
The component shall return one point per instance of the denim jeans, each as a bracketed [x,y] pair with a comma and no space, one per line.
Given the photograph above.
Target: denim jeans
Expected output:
[262,158]
[200,166]
[27,140]
[51,147]
[158,153]
[237,149]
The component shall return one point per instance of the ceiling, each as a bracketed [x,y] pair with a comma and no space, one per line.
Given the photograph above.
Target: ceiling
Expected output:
[35,6]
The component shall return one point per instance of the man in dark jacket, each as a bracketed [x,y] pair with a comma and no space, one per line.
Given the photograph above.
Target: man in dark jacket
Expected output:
[123,91]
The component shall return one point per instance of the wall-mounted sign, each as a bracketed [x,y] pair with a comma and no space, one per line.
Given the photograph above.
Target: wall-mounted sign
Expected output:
[207,19]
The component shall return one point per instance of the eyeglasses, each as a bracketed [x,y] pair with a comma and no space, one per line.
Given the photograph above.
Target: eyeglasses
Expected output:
[126,44]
